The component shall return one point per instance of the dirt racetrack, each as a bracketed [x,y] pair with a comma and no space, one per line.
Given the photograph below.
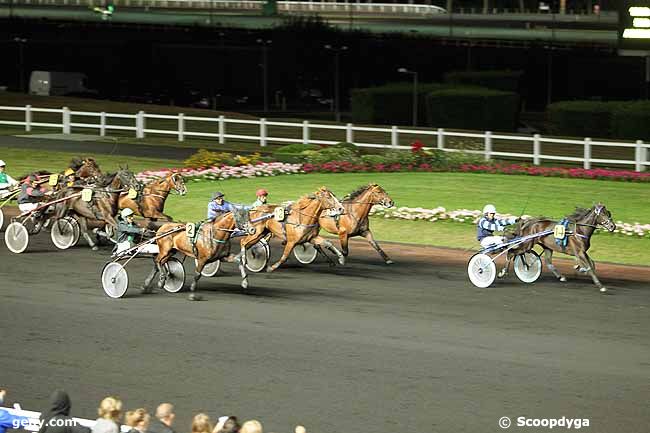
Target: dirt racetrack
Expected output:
[364,347]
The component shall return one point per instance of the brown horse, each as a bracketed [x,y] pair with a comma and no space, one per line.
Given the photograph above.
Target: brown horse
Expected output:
[212,244]
[151,202]
[103,205]
[300,225]
[582,224]
[354,221]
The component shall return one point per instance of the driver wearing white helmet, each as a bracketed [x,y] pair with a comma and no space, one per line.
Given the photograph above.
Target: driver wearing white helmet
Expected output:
[488,224]
[6,181]
[127,230]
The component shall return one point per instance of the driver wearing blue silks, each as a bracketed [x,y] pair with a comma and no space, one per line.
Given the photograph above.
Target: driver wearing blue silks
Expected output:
[218,206]
[488,224]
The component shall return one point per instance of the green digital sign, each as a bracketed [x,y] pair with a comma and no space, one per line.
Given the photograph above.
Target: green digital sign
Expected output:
[634,25]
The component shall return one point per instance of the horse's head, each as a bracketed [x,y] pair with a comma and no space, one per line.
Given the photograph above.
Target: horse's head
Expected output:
[604,217]
[329,201]
[380,196]
[85,168]
[242,220]
[126,179]
[178,183]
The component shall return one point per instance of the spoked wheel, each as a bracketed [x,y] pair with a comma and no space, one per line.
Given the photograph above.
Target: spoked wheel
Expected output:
[257,256]
[211,269]
[63,233]
[115,280]
[481,270]
[528,266]
[305,253]
[176,275]
[16,237]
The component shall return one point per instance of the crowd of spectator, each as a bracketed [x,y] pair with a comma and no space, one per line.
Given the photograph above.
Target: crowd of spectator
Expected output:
[111,414]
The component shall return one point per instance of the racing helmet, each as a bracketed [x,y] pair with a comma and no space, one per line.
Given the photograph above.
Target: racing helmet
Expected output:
[217,195]
[2,163]
[126,212]
[489,208]
[261,192]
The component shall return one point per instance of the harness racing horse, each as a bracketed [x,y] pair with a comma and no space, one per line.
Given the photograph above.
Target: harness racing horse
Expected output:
[210,243]
[581,225]
[300,226]
[151,202]
[354,221]
[103,204]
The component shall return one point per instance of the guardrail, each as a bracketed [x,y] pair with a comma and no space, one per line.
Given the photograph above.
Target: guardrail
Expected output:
[34,419]
[137,123]
[287,6]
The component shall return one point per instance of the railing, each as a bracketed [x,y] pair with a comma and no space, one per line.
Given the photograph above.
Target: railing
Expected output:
[223,128]
[34,417]
[288,6]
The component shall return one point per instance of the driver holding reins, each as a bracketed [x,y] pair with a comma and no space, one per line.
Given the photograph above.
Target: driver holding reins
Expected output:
[6,181]
[488,224]
[218,206]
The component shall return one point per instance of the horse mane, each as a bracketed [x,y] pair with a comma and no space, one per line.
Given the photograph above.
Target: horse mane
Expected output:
[357,192]
[106,179]
[578,214]
[303,201]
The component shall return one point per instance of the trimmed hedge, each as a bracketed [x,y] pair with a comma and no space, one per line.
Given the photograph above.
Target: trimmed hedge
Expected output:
[581,118]
[499,80]
[631,121]
[293,152]
[473,108]
[390,104]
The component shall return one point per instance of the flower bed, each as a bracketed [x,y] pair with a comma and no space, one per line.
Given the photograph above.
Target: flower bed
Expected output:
[226,171]
[576,173]
[472,216]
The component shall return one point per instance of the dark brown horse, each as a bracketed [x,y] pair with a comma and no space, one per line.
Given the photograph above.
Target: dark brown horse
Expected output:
[151,202]
[103,204]
[582,224]
[212,243]
[354,221]
[300,226]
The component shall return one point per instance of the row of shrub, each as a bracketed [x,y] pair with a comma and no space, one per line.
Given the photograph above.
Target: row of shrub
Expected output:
[467,100]
[629,120]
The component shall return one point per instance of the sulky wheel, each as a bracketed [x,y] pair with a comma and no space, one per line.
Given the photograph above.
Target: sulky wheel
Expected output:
[481,270]
[63,233]
[176,275]
[2,219]
[16,237]
[257,256]
[115,280]
[305,253]
[211,269]
[528,266]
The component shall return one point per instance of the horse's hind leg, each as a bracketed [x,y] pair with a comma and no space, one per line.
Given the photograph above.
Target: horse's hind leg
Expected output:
[371,240]
[586,263]
[200,264]
[322,242]
[504,271]
[83,226]
[288,247]
[548,257]
[146,286]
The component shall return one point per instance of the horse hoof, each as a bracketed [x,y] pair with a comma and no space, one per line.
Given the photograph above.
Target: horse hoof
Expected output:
[95,248]
[145,290]
[341,260]
[269,269]
[502,273]
[195,297]
[603,290]
[563,279]
[244,284]
[389,262]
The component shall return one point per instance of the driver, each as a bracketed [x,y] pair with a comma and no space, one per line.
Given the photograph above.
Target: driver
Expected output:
[262,196]
[218,206]
[127,229]
[30,194]
[488,224]
[6,181]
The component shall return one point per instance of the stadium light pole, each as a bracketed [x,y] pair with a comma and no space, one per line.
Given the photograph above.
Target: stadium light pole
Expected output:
[21,65]
[265,64]
[337,52]
[415,92]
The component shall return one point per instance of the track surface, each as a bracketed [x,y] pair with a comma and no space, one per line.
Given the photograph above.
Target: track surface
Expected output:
[364,348]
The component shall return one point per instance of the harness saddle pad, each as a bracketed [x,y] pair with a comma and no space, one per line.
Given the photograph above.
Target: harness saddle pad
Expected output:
[54,179]
[87,194]
[132,193]
[278,213]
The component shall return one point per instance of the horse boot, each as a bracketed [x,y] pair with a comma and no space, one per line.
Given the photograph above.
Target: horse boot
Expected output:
[193,296]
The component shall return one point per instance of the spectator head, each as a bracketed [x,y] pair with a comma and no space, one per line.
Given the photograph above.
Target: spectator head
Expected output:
[201,423]
[252,426]
[3,394]
[165,413]
[59,403]
[300,429]
[110,408]
[231,425]
[138,419]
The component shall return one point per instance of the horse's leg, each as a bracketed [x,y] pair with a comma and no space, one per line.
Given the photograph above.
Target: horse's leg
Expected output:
[146,286]
[585,262]
[548,257]
[371,240]
[83,226]
[322,242]
[344,239]
[288,247]
[504,271]
[242,268]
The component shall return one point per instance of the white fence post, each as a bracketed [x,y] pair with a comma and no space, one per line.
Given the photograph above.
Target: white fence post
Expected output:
[305,132]
[349,133]
[639,156]
[441,138]
[181,126]
[537,148]
[394,136]
[28,118]
[139,124]
[66,120]
[222,130]
[488,145]
[587,154]
[263,132]
[102,124]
